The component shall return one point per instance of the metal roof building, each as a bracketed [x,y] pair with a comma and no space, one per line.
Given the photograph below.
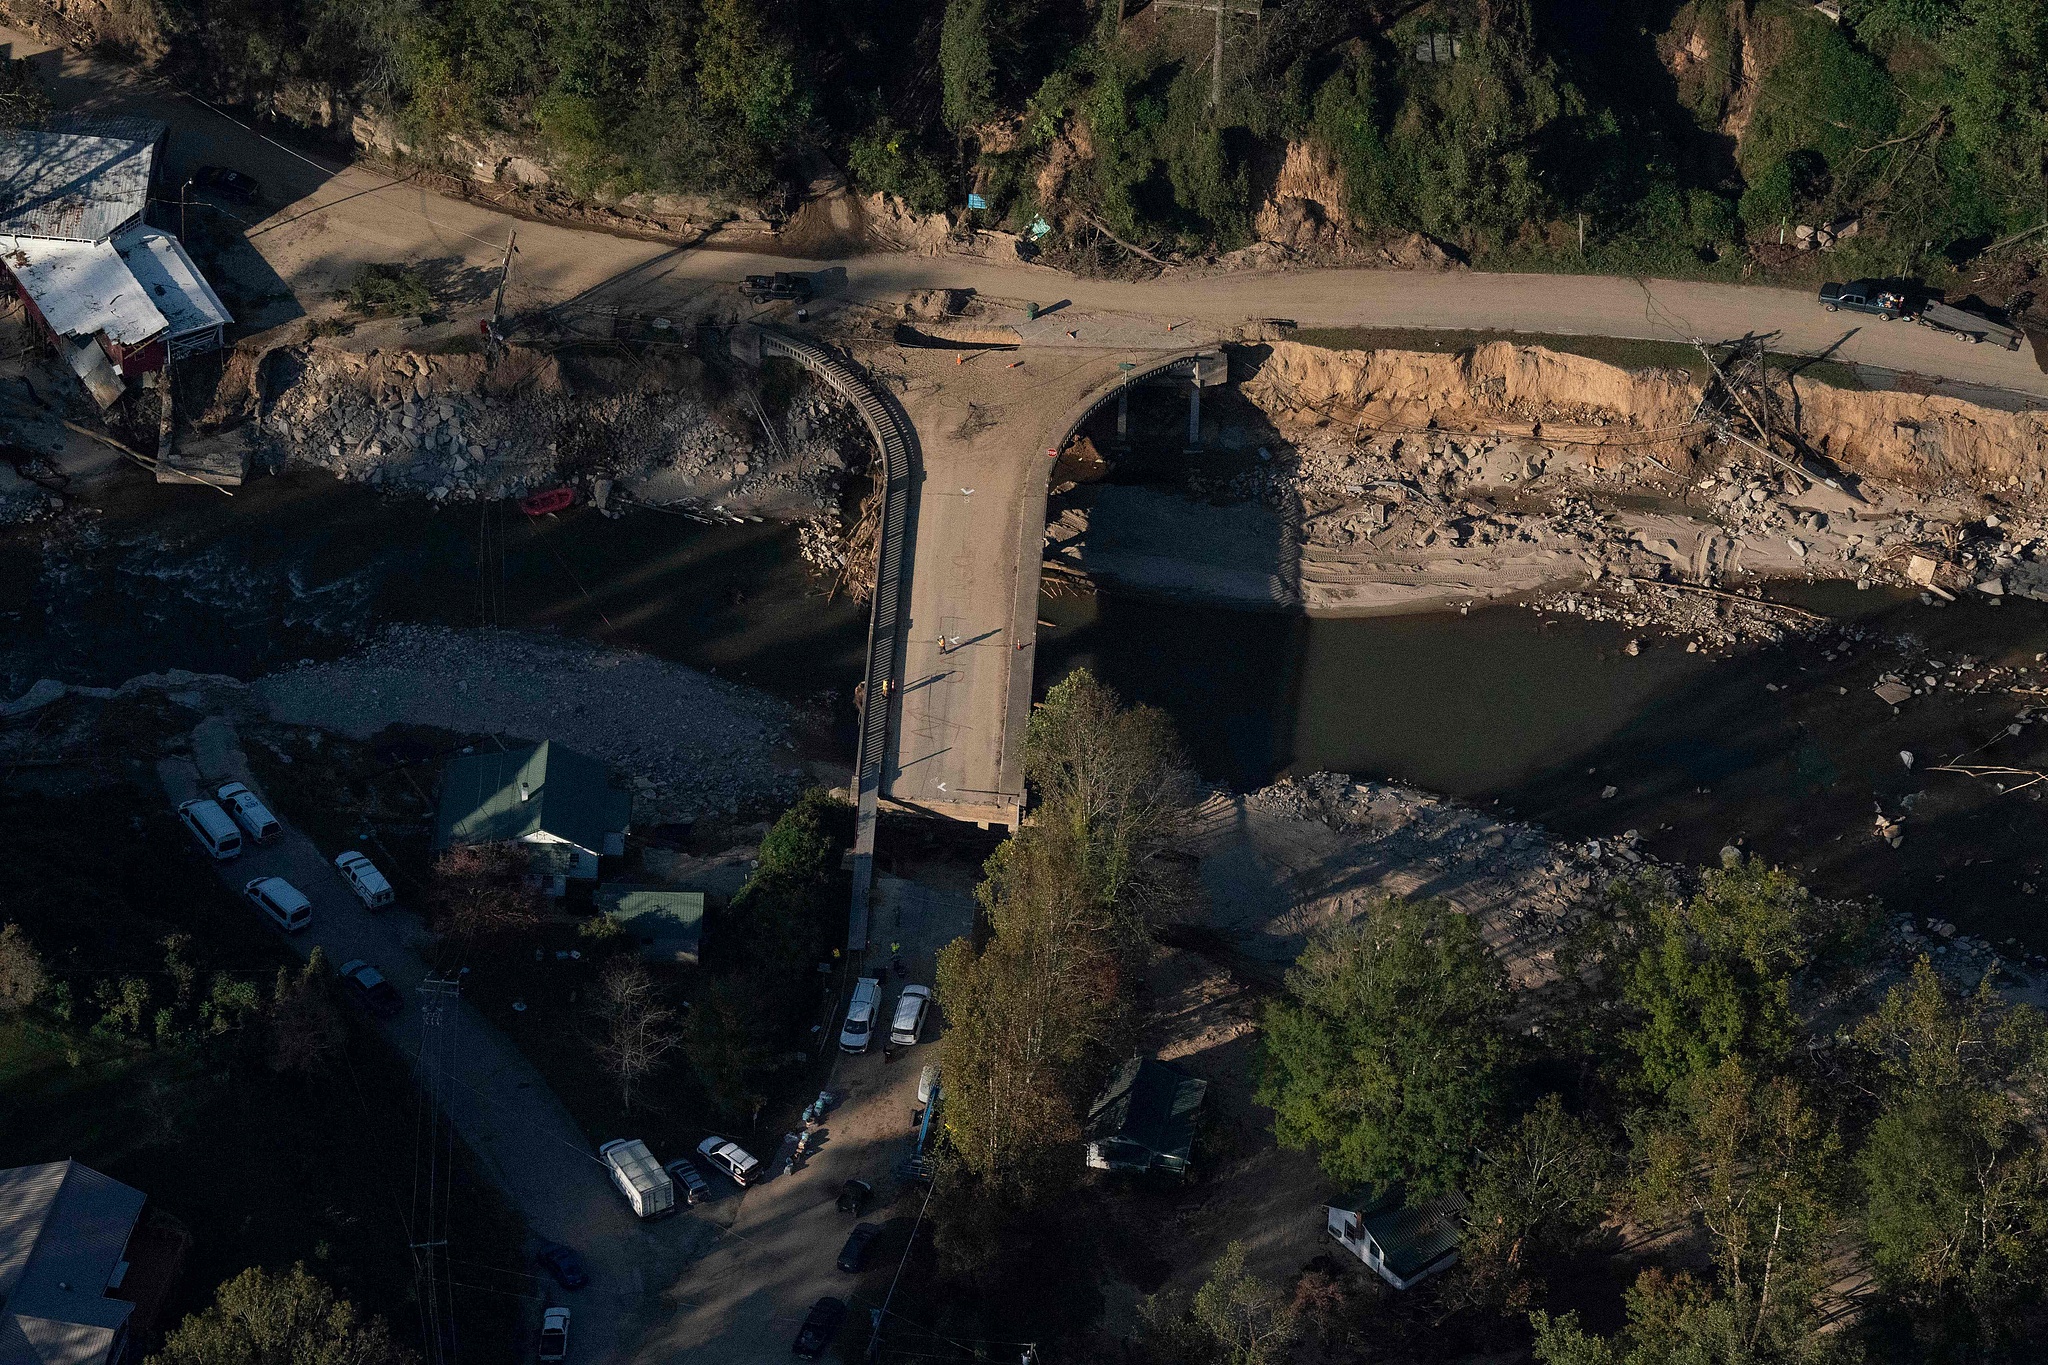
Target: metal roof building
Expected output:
[1145,1118]
[546,794]
[1402,1242]
[667,925]
[64,1229]
[81,182]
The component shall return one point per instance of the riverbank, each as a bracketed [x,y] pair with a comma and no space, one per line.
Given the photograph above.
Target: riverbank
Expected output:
[1377,483]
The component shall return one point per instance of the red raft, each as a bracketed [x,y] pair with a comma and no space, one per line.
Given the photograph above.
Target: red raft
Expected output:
[546,501]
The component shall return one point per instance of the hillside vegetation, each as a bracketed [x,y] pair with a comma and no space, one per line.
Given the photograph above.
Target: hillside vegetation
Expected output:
[1593,134]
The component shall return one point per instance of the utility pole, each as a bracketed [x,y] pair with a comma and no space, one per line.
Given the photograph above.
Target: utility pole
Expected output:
[1221,9]
[504,274]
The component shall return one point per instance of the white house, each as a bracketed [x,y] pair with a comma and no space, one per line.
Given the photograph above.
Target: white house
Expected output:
[1401,1242]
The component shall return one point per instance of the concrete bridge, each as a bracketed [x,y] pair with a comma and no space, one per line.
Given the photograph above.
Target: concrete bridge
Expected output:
[967,440]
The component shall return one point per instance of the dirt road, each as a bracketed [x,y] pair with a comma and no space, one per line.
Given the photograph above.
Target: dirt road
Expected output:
[325,222]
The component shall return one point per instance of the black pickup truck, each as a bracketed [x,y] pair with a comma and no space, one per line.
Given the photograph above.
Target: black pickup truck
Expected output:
[781,285]
[1864,296]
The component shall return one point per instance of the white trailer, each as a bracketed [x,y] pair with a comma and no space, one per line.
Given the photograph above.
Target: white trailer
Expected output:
[639,1177]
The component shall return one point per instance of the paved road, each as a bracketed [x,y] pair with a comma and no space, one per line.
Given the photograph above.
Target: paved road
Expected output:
[331,221]
[504,1109]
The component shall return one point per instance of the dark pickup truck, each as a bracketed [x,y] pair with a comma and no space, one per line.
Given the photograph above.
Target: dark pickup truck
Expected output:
[1864,296]
[781,285]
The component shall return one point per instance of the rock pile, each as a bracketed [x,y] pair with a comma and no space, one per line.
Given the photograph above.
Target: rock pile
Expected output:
[693,745]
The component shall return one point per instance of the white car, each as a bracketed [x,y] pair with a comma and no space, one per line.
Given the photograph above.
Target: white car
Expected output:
[249,812]
[859,1028]
[729,1157]
[554,1334]
[911,1008]
[284,903]
[211,826]
[364,879]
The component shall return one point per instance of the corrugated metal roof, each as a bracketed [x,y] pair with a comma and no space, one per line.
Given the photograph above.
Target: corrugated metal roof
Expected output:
[63,1228]
[171,281]
[566,795]
[667,924]
[83,288]
[75,186]
[1411,1236]
[1152,1104]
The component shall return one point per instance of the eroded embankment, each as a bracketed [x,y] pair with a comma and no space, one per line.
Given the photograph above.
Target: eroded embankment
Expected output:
[1403,481]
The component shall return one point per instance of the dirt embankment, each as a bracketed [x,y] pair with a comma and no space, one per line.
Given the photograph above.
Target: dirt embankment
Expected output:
[1400,481]
[456,426]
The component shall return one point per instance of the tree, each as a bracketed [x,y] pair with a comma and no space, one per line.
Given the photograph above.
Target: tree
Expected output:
[261,1318]
[22,976]
[1117,778]
[1710,977]
[639,1026]
[483,891]
[23,101]
[1537,1189]
[1248,1318]
[967,71]
[1748,1158]
[1385,1057]
[1955,1185]
[305,1030]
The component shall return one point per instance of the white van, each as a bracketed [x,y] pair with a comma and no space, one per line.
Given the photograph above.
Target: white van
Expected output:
[911,1007]
[639,1177]
[251,814]
[364,879]
[860,1015]
[211,827]
[286,905]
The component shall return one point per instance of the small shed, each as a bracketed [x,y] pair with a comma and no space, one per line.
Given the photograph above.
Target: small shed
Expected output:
[667,925]
[1400,1241]
[1145,1118]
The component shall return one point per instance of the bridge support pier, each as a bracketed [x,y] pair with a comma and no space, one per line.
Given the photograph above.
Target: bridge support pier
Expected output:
[1194,417]
[1123,415]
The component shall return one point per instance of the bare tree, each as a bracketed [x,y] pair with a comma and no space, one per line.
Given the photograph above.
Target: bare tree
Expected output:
[22,977]
[483,891]
[640,1027]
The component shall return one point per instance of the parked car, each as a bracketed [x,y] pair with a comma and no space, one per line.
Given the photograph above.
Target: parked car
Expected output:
[821,1324]
[860,1015]
[229,185]
[563,1264]
[370,990]
[554,1334]
[782,284]
[284,903]
[696,1189]
[854,1196]
[639,1177]
[364,879]
[927,1085]
[250,813]
[211,826]
[911,1008]
[728,1157]
[853,1257]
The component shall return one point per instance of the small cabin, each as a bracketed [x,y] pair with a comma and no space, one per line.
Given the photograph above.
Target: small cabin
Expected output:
[1402,1242]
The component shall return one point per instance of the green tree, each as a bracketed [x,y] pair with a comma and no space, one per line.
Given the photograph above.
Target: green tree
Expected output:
[1386,1055]
[1955,1184]
[1246,1317]
[967,70]
[1538,1188]
[262,1318]
[1709,977]
[747,71]
[22,975]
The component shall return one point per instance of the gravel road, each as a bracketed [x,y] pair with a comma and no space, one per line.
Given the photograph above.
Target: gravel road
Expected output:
[693,745]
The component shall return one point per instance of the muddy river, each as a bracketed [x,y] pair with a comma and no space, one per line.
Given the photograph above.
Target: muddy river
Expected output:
[1784,749]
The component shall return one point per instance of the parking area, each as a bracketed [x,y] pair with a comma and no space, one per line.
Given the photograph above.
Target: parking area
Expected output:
[745,1301]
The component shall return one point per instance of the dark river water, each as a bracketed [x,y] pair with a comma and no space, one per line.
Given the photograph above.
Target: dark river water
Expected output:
[1506,707]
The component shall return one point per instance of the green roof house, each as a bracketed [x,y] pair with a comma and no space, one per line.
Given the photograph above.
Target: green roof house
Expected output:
[1402,1242]
[665,925]
[1145,1119]
[563,806]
